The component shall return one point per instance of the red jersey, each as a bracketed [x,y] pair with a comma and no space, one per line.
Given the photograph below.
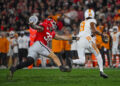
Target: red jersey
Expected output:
[46,35]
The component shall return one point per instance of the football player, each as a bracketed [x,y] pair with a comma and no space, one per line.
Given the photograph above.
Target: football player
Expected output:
[45,32]
[87,29]
[115,42]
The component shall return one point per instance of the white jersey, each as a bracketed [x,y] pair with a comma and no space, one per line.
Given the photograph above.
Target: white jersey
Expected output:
[115,38]
[23,42]
[85,28]
[10,52]
[15,45]
[74,44]
[86,42]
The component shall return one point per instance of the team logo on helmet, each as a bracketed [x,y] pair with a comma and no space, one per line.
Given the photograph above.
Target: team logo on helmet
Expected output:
[89,13]
[33,19]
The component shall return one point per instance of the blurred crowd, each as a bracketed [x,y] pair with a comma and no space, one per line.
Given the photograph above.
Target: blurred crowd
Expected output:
[14,16]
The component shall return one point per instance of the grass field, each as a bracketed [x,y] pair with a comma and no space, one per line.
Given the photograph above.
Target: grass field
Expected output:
[53,77]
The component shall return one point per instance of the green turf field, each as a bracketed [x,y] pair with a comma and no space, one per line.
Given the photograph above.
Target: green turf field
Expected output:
[53,77]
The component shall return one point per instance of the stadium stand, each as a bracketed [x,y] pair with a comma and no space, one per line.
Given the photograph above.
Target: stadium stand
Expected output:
[14,15]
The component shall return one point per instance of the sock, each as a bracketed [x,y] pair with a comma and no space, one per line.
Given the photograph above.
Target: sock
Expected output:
[100,62]
[68,61]
[28,62]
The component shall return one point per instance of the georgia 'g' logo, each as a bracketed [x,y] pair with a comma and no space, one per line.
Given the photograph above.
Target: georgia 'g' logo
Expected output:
[33,19]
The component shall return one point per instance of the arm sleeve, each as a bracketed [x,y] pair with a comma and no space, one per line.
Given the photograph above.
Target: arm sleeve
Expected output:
[93,20]
[53,34]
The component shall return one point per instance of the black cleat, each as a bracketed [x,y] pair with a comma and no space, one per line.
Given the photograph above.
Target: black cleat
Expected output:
[12,70]
[70,62]
[64,69]
[102,74]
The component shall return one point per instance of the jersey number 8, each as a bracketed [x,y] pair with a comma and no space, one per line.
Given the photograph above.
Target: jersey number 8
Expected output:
[82,26]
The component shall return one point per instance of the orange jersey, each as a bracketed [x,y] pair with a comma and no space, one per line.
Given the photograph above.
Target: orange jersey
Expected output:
[4,45]
[100,28]
[106,45]
[67,45]
[98,41]
[57,45]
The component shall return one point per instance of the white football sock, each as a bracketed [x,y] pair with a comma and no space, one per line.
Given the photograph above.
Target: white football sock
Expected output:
[100,62]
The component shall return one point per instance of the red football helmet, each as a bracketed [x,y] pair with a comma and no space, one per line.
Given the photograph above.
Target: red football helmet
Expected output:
[51,23]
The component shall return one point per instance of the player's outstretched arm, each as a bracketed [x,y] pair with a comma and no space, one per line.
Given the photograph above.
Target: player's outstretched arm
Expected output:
[92,24]
[40,28]
[63,37]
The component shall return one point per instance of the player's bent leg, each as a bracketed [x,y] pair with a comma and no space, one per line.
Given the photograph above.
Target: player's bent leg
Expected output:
[58,63]
[81,55]
[55,58]
[26,63]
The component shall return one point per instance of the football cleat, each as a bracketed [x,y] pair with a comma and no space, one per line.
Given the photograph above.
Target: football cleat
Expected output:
[12,70]
[64,69]
[102,74]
